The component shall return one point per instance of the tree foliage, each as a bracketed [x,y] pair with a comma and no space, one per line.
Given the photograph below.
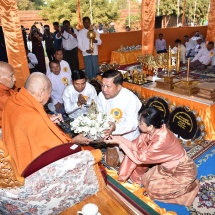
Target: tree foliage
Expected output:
[29,5]
[198,12]
[103,11]
[25,5]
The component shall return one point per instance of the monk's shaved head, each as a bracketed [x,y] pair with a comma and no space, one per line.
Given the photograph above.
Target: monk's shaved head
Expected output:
[39,86]
[7,77]
[37,81]
[4,67]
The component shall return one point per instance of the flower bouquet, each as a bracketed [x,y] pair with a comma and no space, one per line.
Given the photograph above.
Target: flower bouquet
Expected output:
[92,124]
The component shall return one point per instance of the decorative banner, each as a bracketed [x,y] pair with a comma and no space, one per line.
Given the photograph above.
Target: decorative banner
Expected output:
[14,40]
[183,123]
[162,105]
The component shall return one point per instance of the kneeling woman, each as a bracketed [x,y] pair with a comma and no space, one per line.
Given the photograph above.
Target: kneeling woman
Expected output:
[172,177]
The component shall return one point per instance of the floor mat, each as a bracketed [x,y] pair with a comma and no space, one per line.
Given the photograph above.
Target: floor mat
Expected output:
[204,157]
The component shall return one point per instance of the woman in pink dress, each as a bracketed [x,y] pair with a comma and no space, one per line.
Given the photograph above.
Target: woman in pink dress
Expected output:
[172,176]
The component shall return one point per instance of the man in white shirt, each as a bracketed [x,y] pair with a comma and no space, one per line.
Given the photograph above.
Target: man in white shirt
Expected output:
[70,44]
[90,56]
[182,50]
[190,46]
[122,104]
[32,61]
[203,58]
[59,79]
[196,36]
[63,64]
[78,96]
[200,45]
[160,44]
[100,29]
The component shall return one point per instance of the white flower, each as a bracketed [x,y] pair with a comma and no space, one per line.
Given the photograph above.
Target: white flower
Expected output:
[85,129]
[94,128]
[93,131]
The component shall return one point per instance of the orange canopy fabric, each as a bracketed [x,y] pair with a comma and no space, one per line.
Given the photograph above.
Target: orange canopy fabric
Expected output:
[124,58]
[14,40]
[27,130]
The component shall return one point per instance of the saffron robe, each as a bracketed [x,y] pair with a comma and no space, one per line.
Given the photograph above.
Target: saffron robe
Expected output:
[5,93]
[172,179]
[27,130]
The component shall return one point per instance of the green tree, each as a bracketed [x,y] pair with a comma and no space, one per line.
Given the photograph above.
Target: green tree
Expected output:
[29,5]
[25,5]
[103,11]
[38,4]
[135,18]
[169,8]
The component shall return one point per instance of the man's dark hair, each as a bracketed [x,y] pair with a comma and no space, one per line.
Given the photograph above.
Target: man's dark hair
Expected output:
[66,22]
[186,36]
[160,34]
[57,50]
[177,41]
[86,17]
[46,26]
[118,78]
[55,23]
[54,61]
[210,42]
[78,74]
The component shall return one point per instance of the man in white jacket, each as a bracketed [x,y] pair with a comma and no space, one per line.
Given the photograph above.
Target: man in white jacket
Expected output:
[121,103]
[78,96]
[90,56]
[63,64]
[203,58]
[59,79]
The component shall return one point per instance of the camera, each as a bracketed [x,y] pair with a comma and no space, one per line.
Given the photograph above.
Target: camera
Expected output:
[47,29]
[66,27]
[34,30]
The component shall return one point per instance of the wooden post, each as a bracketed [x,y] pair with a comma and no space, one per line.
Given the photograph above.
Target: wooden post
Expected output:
[184,10]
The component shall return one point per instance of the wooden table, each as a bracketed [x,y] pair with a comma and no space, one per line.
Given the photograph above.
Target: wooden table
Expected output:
[124,58]
[205,108]
[107,202]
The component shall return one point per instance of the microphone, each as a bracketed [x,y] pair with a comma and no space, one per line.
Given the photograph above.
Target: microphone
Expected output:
[52,108]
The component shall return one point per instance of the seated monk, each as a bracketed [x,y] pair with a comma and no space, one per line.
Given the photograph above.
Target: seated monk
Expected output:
[7,80]
[172,178]
[26,128]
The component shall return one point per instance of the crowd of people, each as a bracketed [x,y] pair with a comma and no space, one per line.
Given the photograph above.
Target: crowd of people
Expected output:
[200,54]
[149,153]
